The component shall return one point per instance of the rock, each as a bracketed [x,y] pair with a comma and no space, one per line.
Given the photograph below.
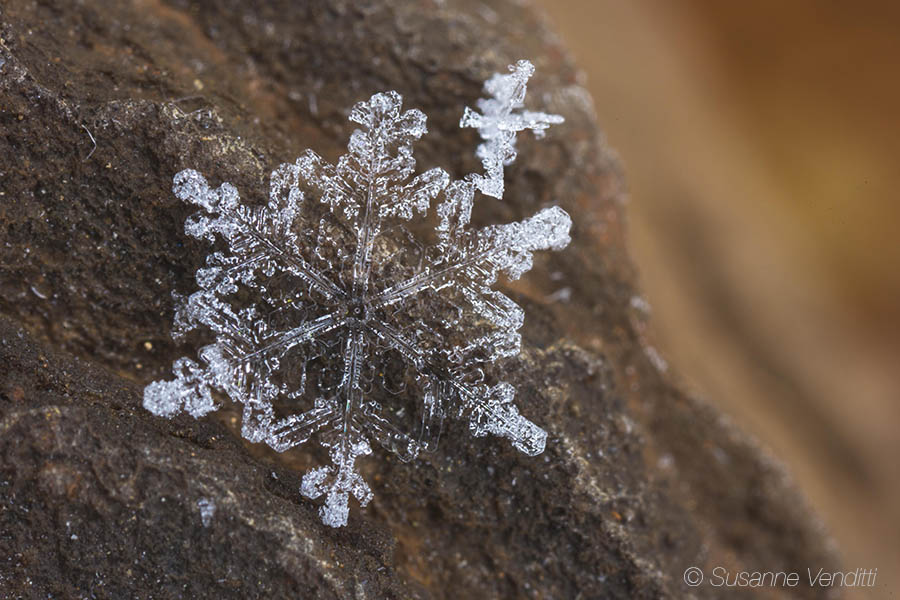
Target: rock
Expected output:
[99,107]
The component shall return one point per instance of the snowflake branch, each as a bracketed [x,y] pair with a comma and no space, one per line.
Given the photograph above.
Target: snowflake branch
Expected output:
[365,240]
[341,480]
[349,390]
[492,411]
[298,335]
[293,430]
[191,186]
[507,247]
[300,267]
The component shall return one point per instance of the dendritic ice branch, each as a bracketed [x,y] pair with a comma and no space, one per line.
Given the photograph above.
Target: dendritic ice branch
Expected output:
[330,317]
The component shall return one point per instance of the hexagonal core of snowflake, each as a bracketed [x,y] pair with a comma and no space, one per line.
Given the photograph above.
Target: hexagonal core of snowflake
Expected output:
[358,346]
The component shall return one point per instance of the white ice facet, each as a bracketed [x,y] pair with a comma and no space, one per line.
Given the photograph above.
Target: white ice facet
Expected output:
[327,317]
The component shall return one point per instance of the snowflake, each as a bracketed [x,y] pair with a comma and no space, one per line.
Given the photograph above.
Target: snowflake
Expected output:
[330,318]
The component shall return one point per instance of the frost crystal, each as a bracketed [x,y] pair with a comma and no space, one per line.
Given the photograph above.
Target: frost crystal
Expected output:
[207,510]
[330,318]
[499,124]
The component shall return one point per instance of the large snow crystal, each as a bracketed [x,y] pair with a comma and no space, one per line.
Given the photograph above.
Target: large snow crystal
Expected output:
[328,315]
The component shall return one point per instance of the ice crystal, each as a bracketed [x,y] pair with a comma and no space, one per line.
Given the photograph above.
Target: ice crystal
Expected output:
[207,510]
[330,318]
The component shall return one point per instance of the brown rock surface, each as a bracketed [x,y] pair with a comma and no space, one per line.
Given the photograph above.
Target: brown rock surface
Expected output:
[99,107]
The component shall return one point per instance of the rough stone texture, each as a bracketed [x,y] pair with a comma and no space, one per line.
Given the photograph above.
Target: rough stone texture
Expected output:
[100,499]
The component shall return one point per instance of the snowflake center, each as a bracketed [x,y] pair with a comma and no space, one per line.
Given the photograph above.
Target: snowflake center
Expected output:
[358,310]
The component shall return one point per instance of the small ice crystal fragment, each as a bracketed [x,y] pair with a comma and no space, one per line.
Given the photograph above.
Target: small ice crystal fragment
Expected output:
[498,124]
[330,318]
[207,510]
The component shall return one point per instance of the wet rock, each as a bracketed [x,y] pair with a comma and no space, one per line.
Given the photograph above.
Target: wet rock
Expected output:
[99,107]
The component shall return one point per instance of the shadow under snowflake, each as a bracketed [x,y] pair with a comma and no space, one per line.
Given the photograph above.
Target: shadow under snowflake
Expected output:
[330,317]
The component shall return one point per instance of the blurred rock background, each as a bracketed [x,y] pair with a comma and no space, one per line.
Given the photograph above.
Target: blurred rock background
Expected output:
[760,141]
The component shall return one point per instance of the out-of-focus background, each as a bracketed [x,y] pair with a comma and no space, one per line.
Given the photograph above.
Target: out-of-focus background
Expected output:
[761,143]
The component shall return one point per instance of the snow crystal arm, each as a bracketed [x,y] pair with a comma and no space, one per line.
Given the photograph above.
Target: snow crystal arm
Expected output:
[507,248]
[340,479]
[246,230]
[243,343]
[362,258]
[259,425]
[537,122]
[302,333]
[380,158]
[207,309]
[398,201]
[454,213]
[491,410]
[349,391]
[349,186]
[338,482]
